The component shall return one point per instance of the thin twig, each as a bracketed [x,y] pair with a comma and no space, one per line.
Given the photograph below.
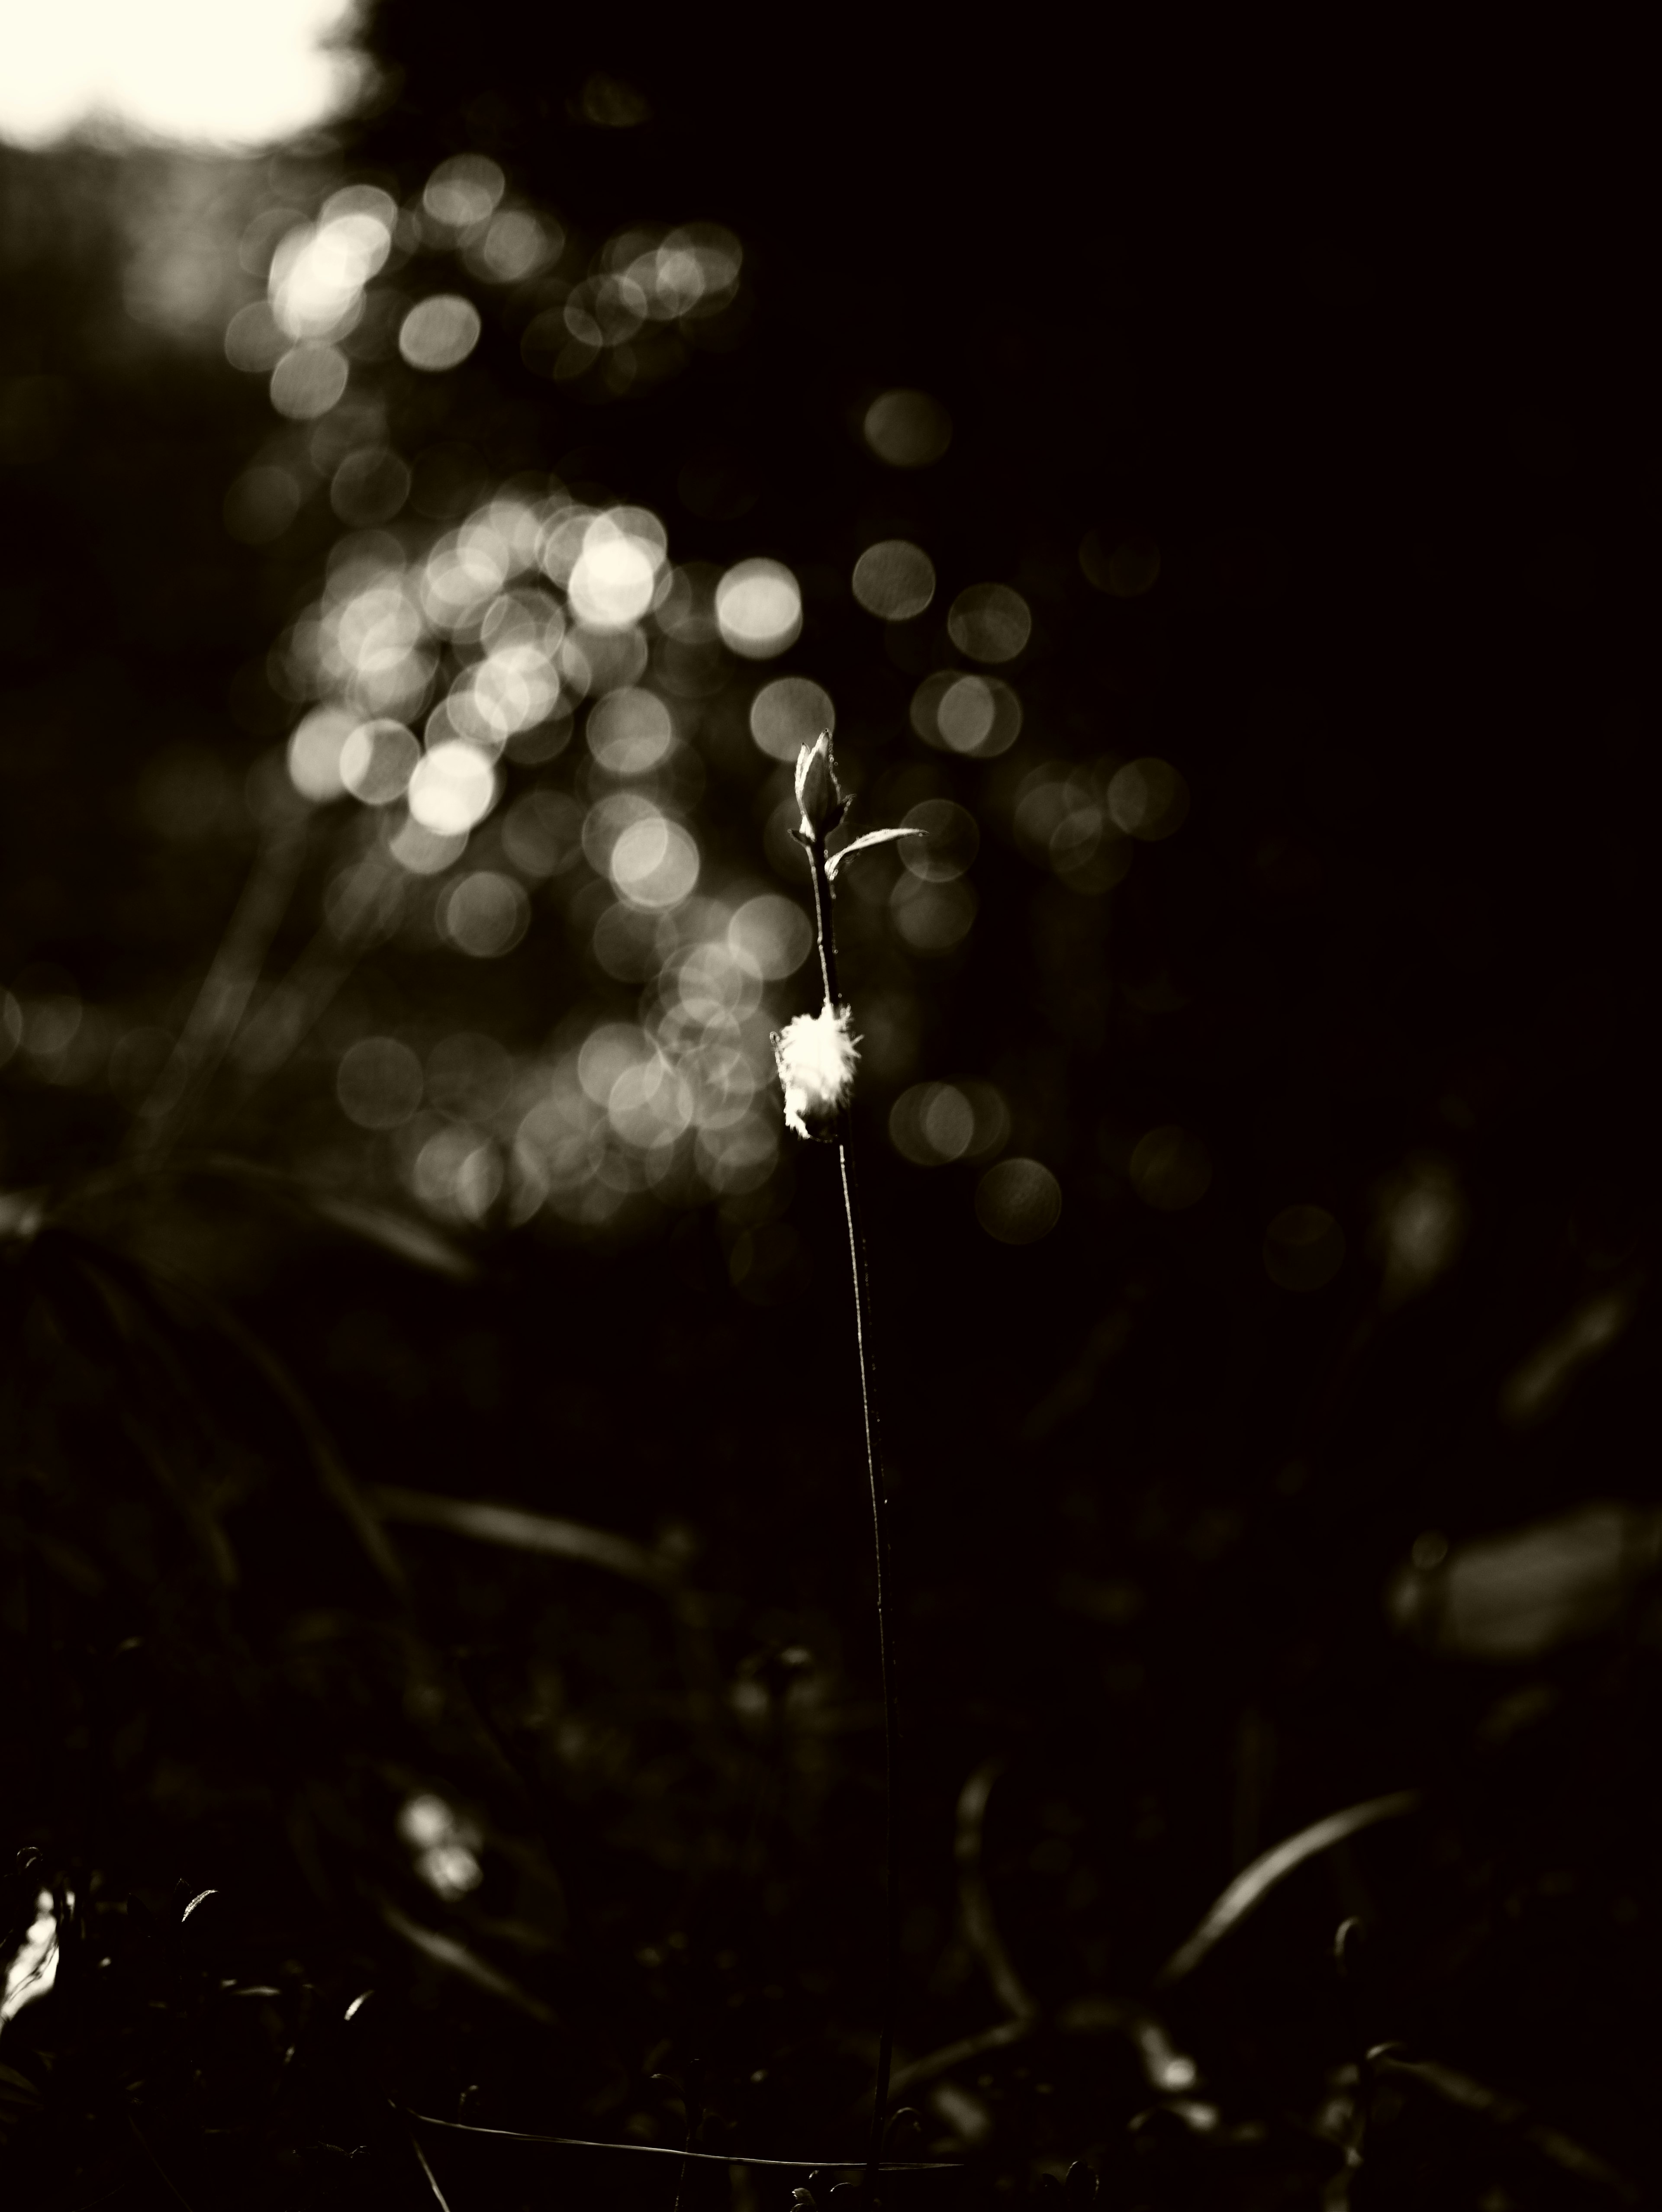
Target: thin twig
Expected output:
[422,2159]
[725,2158]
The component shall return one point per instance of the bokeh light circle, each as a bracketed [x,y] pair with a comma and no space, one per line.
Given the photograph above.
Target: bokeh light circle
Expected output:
[1171,1169]
[949,842]
[966,715]
[594,661]
[772,935]
[605,1054]
[788,714]
[614,578]
[422,852]
[452,788]
[931,918]
[894,580]
[308,380]
[933,1123]
[439,332]
[462,191]
[990,622]
[655,862]
[630,732]
[314,751]
[1018,1201]
[379,1083]
[978,716]
[1148,799]
[516,244]
[907,430]
[758,609]
[458,1174]
[485,914]
[378,760]
[318,273]
[254,339]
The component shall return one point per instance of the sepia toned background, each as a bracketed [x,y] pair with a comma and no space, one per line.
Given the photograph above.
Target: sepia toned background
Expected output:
[434,1519]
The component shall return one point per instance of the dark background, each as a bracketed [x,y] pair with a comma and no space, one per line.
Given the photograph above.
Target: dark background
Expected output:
[1375,379]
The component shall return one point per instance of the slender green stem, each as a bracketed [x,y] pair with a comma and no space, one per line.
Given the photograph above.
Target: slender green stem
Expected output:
[822,919]
[862,1329]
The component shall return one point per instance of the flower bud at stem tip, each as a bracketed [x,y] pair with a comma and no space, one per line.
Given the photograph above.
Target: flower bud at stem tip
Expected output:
[817,791]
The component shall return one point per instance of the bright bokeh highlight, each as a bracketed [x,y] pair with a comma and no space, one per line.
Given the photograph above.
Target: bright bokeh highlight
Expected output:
[758,609]
[452,788]
[439,333]
[788,714]
[192,69]
[455,648]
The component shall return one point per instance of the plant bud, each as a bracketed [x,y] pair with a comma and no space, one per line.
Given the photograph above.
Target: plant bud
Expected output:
[817,792]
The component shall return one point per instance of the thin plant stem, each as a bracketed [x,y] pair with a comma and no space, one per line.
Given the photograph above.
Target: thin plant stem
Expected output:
[862,1329]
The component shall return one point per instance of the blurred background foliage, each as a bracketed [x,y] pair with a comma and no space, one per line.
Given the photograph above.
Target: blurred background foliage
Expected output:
[432,1518]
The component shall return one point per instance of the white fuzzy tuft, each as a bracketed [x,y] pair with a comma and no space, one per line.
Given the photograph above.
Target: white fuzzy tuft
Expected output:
[816,1056]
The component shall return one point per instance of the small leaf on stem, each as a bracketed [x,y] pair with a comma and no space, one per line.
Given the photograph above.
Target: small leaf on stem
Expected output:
[871,837]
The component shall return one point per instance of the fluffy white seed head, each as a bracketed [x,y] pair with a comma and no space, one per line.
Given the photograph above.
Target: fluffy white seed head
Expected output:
[816,1055]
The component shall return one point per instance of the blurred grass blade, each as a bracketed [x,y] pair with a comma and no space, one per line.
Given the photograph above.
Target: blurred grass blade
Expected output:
[400,1234]
[405,1236]
[20,2102]
[446,1951]
[522,1531]
[227,987]
[296,1003]
[1165,2066]
[1518,1595]
[956,2054]
[1256,1881]
[333,1476]
[975,1901]
[128,1300]
[198,1515]
[1539,1385]
[136,1343]
[1459,2089]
